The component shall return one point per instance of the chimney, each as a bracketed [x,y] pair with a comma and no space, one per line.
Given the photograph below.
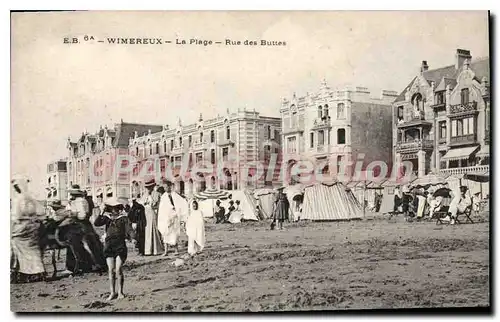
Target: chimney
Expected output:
[424,67]
[461,56]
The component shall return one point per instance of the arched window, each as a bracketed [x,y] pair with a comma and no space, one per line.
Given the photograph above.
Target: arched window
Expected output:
[293,119]
[157,148]
[164,146]
[228,132]
[268,131]
[190,140]
[325,112]
[201,136]
[340,111]
[180,141]
[320,111]
[212,136]
[171,144]
[341,136]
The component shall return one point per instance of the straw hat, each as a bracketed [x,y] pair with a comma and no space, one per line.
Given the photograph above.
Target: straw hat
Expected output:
[149,183]
[75,190]
[113,202]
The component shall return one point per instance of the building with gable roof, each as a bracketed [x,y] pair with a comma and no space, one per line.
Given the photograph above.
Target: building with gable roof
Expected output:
[441,119]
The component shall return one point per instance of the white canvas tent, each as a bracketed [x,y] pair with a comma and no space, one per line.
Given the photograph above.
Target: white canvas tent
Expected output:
[265,200]
[330,201]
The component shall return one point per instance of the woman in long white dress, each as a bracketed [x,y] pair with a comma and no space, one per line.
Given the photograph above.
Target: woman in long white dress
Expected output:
[195,230]
[152,239]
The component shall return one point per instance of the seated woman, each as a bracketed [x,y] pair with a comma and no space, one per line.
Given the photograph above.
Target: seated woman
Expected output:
[219,212]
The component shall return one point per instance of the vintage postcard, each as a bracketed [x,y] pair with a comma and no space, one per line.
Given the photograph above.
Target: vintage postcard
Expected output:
[250,161]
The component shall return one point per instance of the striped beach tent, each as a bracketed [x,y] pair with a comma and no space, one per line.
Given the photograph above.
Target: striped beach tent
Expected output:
[330,201]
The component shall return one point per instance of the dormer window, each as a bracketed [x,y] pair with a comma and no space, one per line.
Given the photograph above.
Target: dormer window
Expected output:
[440,98]
[464,96]
[320,111]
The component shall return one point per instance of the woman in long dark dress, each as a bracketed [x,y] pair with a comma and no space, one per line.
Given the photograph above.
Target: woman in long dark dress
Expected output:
[281,208]
[137,216]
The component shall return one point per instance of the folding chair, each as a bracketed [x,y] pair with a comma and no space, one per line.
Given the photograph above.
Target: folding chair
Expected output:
[467,213]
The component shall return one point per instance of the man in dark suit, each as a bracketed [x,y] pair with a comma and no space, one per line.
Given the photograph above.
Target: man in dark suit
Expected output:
[137,216]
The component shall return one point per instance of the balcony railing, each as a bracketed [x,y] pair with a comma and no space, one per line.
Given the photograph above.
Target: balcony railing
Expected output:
[323,122]
[463,108]
[178,149]
[413,120]
[414,145]
[199,145]
[464,170]
[463,139]
[442,140]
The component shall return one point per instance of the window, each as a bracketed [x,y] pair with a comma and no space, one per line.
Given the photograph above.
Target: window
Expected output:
[171,144]
[442,130]
[268,133]
[150,149]
[464,96]
[321,137]
[178,161]
[341,136]
[157,148]
[293,120]
[471,125]
[201,137]
[228,133]
[199,157]
[180,141]
[320,111]
[212,136]
[440,98]
[212,156]
[49,179]
[312,140]
[400,112]
[325,112]
[339,162]
[292,145]
[267,153]
[136,150]
[276,134]
[460,130]
[225,153]
[190,140]
[165,147]
[454,128]
[340,111]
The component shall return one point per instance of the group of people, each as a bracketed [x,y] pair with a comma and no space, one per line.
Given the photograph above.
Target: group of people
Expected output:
[160,215]
[421,203]
[153,220]
[229,213]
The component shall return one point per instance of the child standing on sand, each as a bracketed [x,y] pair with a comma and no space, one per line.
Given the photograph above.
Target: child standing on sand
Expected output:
[118,228]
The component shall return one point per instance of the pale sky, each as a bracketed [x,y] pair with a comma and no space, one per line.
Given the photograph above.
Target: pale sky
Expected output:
[60,90]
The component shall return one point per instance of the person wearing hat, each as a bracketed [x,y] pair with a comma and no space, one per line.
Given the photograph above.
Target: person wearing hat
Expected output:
[458,205]
[281,209]
[172,211]
[79,210]
[118,229]
[150,200]
[137,217]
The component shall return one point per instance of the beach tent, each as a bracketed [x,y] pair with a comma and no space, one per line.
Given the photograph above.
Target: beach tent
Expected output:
[330,201]
[265,200]
[387,205]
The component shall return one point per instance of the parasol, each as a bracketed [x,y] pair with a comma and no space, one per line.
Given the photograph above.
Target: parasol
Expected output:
[212,194]
[442,192]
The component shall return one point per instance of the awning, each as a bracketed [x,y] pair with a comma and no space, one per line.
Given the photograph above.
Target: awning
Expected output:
[459,153]
[484,152]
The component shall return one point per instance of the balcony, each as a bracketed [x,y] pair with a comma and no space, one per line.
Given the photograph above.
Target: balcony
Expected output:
[442,140]
[414,146]
[322,123]
[463,140]
[199,145]
[463,109]
[178,149]
[225,142]
[464,170]
[414,121]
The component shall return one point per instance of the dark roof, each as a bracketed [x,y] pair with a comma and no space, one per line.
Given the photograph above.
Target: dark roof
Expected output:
[444,83]
[480,67]
[125,131]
